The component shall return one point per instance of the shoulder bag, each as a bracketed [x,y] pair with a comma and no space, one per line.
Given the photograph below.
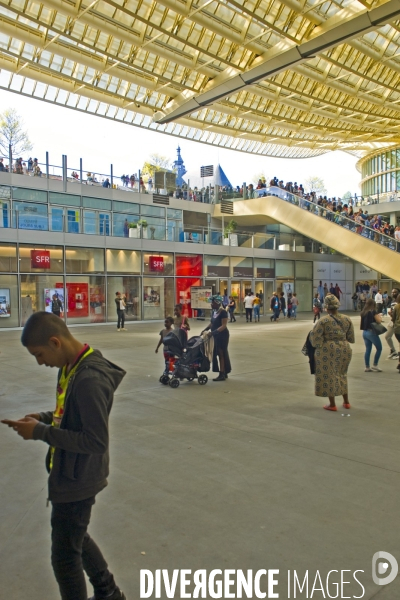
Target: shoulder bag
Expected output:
[378,328]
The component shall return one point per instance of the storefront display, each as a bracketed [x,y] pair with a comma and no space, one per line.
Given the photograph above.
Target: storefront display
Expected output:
[49,293]
[5,306]
[77,300]
[128,287]
[151,295]
[158,297]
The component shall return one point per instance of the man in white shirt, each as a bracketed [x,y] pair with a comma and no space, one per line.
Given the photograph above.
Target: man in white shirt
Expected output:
[121,305]
[390,330]
[248,304]
[379,301]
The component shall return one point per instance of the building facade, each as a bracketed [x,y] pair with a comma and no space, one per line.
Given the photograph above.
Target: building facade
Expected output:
[82,244]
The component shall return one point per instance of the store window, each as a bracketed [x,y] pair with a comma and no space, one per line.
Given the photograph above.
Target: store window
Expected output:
[264,268]
[158,298]
[127,207]
[121,222]
[216,266]
[37,292]
[64,199]
[40,259]
[241,266]
[25,194]
[84,260]
[189,265]
[8,258]
[124,261]
[158,263]
[304,291]
[155,228]
[98,203]
[152,211]
[183,294]
[8,301]
[85,299]
[285,268]
[30,216]
[304,269]
[130,288]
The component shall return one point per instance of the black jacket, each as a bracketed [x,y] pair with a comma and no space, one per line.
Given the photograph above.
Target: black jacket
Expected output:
[81,458]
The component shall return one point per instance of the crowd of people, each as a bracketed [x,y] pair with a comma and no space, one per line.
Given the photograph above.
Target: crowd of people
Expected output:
[20,167]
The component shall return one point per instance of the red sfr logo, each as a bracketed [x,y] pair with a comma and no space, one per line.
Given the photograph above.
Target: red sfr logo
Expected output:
[40,259]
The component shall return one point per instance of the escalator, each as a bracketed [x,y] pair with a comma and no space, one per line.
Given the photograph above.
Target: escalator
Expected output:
[278,206]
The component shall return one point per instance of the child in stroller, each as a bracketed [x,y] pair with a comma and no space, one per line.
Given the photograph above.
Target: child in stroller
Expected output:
[188,362]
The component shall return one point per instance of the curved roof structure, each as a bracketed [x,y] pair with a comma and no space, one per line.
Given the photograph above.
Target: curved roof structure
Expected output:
[292,78]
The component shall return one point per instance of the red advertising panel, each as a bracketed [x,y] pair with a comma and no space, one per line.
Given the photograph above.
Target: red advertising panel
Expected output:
[40,259]
[183,296]
[157,264]
[78,299]
[189,265]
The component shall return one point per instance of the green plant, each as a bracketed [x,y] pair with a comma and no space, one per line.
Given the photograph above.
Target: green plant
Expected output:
[132,225]
[230,228]
[142,223]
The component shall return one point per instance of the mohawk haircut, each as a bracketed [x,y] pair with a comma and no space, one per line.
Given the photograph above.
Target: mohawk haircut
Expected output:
[41,326]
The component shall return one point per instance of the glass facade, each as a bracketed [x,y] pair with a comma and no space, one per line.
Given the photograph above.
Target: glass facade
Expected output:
[380,173]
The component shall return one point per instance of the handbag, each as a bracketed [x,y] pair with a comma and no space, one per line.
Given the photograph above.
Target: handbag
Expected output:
[378,328]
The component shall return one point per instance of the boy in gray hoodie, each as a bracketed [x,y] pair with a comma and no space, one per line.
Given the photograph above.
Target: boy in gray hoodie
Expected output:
[77,459]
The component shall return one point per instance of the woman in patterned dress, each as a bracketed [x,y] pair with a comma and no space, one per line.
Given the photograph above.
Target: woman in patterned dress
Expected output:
[331,338]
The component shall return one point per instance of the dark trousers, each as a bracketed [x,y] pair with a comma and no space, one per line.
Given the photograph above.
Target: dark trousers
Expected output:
[121,318]
[73,551]
[249,314]
[232,314]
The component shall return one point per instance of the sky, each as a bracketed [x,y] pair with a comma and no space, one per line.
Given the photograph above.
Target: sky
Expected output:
[100,142]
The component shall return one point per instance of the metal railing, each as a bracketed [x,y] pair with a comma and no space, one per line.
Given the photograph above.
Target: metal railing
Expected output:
[339,219]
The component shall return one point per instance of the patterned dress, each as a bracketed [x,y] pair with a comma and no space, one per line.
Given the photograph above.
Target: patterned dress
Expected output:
[330,337]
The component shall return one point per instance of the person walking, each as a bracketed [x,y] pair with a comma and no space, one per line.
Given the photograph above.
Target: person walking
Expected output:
[180,321]
[295,305]
[282,301]
[257,307]
[56,305]
[370,315]
[121,307]
[275,306]
[248,305]
[289,305]
[317,308]
[220,333]
[390,331]
[331,338]
[78,456]
[232,308]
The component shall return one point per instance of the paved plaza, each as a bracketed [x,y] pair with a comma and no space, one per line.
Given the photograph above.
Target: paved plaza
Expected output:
[250,473]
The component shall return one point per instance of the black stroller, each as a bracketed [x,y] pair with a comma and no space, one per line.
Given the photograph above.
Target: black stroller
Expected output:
[188,362]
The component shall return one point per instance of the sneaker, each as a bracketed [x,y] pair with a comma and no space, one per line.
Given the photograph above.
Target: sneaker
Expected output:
[376,369]
[118,329]
[124,329]
[393,354]
[368,370]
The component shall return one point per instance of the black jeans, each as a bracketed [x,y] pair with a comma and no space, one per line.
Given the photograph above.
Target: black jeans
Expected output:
[249,314]
[121,318]
[73,551]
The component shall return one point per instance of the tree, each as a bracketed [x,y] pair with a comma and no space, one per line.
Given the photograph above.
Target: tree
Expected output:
[12,132]
[156,162]
[347,196]
[261,175]
[315,184]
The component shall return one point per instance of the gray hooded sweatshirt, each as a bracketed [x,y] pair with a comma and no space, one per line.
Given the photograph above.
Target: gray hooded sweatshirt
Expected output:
[81,459]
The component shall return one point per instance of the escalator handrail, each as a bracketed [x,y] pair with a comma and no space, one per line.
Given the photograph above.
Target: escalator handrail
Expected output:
[388,241]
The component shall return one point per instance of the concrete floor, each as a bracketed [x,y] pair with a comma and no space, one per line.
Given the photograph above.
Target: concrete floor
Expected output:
[246,474]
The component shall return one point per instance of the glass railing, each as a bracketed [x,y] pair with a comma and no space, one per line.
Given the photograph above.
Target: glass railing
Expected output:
[73,221]
[334,217]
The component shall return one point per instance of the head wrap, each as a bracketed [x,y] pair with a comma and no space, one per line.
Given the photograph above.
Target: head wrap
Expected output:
[331,302]
[216,298]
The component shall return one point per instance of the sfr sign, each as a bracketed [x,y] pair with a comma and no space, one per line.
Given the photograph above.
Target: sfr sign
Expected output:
[40,259]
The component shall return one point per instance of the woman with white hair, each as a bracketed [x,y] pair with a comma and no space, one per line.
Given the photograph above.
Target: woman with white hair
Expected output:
[331,338]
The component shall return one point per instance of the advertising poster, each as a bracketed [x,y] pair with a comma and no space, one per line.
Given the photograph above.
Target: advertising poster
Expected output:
[48,298]
[151,295]
[287,288]
[96,303]
[5,307]
[199,297]
[78,299]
